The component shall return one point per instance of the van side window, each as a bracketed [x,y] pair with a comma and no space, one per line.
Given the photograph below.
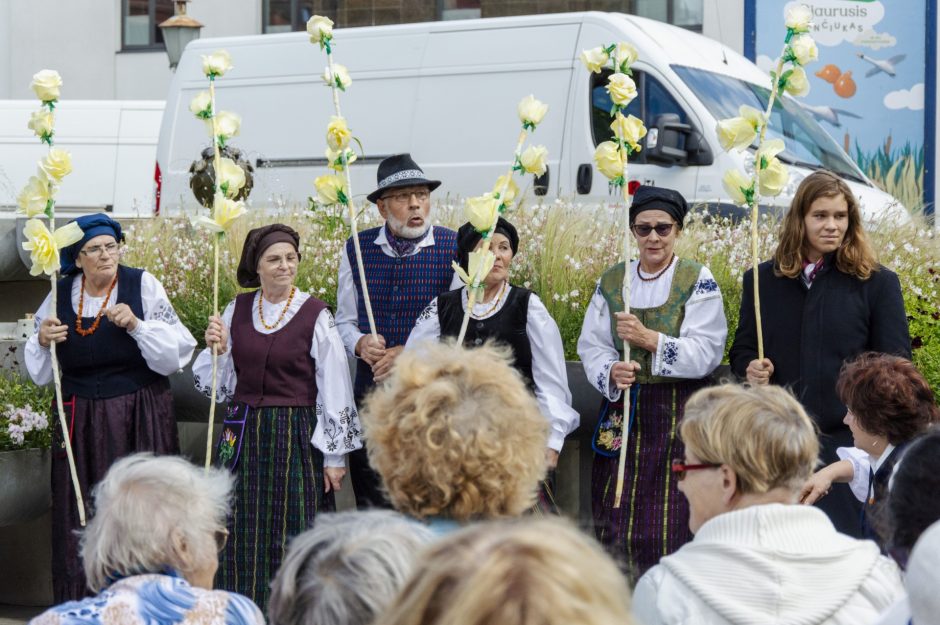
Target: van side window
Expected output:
[651,101]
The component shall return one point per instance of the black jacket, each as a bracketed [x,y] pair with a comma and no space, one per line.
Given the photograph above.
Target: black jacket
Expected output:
[810,332]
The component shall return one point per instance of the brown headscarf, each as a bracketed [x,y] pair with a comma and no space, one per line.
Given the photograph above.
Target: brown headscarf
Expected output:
[256,242]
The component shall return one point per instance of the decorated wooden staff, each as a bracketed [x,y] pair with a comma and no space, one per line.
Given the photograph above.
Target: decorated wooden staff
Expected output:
[612,160]
[332,188]
[770,175]
[484,211]
[229,181]
[43,244]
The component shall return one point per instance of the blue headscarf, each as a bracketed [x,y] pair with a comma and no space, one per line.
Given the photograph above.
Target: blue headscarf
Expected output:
[93,226]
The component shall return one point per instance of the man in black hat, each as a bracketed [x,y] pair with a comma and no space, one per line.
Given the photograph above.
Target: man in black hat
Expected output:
[407,263]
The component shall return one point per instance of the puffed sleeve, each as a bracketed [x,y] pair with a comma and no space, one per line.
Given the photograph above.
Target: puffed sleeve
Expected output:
[202,368]
[861,465]
[39,358]
[701,342]
[164,342]
[347,305]
[338,429]
[549,373]
[427,326]
[596,346]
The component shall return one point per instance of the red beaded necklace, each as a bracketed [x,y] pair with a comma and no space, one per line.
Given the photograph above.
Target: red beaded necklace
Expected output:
[81,304]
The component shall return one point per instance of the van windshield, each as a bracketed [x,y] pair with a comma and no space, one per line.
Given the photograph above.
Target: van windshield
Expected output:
[808,145]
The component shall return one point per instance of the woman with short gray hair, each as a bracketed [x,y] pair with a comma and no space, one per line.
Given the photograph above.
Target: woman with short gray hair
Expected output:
[347,569]
[151,548]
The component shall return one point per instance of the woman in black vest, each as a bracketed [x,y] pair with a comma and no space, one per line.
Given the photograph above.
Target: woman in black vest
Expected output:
[118,338]
[515,317]
[283,367]
[889,403]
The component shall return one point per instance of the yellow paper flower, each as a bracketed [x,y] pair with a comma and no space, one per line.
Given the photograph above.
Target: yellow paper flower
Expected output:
[224,214]
[508,188]
[609,159]
[799,18]
[231,177]
[201,105]
[773,175]
[41,122]
[342,79]
[338,134]
[595,59]
[227,125]
[804,49]
[319,28]
[479,266]
[797,84]
[621,88]
[739,132]
[216,64]
[625,54]
[531,111]
[43,246]
[334,160]
[482,212]
[629,129]
[35,196]
[533,160]
[735,183]
[46,85]
[57,164]
[329,188]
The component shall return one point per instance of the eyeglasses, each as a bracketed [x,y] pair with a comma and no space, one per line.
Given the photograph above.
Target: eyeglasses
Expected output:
[644,230]
[98,250]
[404,196]
[680,468]
[221,539]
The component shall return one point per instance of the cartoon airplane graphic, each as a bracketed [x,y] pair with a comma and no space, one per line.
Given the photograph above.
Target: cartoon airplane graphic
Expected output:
[828,113]
[888,67]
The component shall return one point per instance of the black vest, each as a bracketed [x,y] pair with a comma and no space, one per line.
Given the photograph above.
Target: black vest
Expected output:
[507,326]
[878,482]
[107,363]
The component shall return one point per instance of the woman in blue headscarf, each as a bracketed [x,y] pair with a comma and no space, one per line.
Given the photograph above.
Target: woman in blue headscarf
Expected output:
[117,339]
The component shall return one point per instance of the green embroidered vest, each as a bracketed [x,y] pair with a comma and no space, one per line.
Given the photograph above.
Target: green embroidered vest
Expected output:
[666,318]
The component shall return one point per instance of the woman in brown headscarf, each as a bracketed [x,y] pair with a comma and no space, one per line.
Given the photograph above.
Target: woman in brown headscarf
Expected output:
[283,368]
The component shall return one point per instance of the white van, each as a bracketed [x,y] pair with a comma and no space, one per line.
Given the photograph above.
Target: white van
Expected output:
[447,92]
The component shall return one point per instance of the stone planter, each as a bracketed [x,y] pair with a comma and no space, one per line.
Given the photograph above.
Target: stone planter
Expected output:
[24,485]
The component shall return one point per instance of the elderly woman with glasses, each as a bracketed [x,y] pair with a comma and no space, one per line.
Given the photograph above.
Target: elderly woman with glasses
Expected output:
[117,339]
[676,332]
[291,418]
[151,549]
[758,556]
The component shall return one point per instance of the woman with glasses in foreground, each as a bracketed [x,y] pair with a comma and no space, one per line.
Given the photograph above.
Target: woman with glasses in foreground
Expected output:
[117,339]
[676,331]
[758,556]
[151,549]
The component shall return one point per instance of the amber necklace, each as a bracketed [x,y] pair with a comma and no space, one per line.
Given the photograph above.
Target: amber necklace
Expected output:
[499,297]
[81,304]
[658,275]
[290,298]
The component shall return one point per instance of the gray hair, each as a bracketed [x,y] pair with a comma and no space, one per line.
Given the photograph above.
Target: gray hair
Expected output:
[346,569]
[145,502]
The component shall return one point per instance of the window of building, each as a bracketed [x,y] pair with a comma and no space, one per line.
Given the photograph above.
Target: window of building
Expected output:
[684,13]
[458,9]
[284,16]
[140,20]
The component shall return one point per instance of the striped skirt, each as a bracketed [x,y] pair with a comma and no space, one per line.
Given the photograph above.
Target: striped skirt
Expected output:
[653,518]
[278,493]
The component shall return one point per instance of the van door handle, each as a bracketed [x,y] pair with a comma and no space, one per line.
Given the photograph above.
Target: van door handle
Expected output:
[585,178]
[540,184]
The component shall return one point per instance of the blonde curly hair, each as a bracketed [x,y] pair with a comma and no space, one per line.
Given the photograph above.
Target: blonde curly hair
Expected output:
[455,433]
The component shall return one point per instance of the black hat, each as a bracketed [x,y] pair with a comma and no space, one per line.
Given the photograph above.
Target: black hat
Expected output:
[256,242]
[658,198]
[400,170]
[468,238]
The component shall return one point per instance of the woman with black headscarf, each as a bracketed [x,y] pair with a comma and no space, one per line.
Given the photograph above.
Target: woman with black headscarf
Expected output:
[117,339]
[282,365]
[513,316]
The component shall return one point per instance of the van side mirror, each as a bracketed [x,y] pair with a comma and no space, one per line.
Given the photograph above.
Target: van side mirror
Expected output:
[670,135]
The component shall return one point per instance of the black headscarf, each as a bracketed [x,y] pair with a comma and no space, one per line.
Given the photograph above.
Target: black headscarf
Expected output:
[256,242]
[658,198]
[468,238]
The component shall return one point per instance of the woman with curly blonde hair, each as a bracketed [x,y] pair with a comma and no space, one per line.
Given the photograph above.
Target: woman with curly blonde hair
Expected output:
[824,300]
[456,436]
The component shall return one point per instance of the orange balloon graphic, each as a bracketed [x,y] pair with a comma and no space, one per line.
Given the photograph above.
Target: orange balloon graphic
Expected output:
[829,73]
[845,87]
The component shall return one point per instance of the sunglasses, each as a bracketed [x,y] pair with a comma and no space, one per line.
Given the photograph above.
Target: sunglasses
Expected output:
[644,230]
[679,468]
